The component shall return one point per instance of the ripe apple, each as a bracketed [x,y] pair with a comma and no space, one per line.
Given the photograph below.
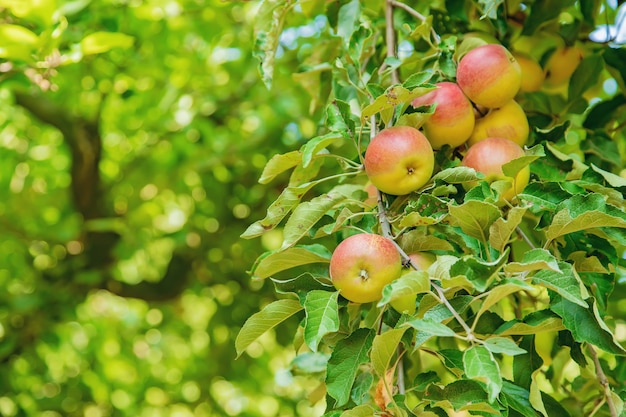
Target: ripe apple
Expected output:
[399,160]
[407,303]
[453,119]
[508,122]
[532,73]
[488,156]
[362,265]
[489,75]
[562,64]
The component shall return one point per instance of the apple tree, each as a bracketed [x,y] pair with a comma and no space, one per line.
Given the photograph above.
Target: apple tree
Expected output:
[508,218]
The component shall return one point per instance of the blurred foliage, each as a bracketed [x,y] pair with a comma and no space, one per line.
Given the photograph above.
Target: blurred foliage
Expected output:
[132,135]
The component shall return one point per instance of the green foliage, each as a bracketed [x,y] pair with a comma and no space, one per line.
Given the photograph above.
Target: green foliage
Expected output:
[520,313]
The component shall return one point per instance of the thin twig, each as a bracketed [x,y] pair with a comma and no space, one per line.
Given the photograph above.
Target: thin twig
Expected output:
[526,239]
[390,38]
[415,14]
[608,394]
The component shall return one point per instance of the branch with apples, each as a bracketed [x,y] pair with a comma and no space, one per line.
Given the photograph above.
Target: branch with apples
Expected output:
[452,240]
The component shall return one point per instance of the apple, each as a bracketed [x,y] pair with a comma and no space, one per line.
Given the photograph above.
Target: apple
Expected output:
[488,156]
[508,122]
[562,64]
[489,75]
[362,265]
[453,120]
[399,160]
[407,303]
[532,73]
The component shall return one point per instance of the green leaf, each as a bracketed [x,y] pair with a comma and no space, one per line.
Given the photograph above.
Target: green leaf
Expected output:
[567,283]
[431,327]
[461,394]
[306,214]
[475,218]
[349,354]
[456,175]
[612,179]
[364,410]
[278,210]
[269,26]
[563,223]
[501,291]
[490,8]
[279,164]
[536,322]
[410,283]
[518,399]
[394,96]
[543,11]
[384,348]
[585,76]
[100,42]
[315,145]
[322,316]
[586,324]
[510,169]
[501,230]
[272,315]
[534,260]
[271,263]
[348,20]
[479,364]
[417,79]
[503,345]
[479,273]
[17,42]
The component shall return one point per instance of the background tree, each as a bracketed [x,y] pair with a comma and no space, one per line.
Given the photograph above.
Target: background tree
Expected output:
[132,137]
[519,311]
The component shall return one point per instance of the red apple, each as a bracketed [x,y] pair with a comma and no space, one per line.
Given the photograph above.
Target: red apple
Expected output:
[489,75]
[488,156]
[362,265]
[453,119]
[399,160]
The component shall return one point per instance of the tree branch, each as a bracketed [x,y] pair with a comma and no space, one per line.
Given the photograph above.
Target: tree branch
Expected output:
[390,38]
[608,393]
[415,14]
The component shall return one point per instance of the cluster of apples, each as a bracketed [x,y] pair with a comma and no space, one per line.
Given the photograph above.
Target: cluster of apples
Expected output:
[479,112]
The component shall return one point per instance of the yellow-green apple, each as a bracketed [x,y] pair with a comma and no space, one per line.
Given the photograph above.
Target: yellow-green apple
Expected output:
[508,122]
[362,265]
[453,119]
[532,73]
[407,303]
[399,160]
[562,64]
[489,75]
[488,156]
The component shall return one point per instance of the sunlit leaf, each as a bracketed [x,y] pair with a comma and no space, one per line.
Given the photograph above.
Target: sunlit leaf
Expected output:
[502,290]
[563,222]
[278,210]
[272,315]
[384,347]
[503,345]
[534,260]
[410,283]
[270,22]
[271,263]
[99,42]
[475,218]
[306,214]
[537,322]
[501,230]
[279,164]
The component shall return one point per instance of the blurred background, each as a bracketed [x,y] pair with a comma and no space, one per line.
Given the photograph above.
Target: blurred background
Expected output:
[132,136]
